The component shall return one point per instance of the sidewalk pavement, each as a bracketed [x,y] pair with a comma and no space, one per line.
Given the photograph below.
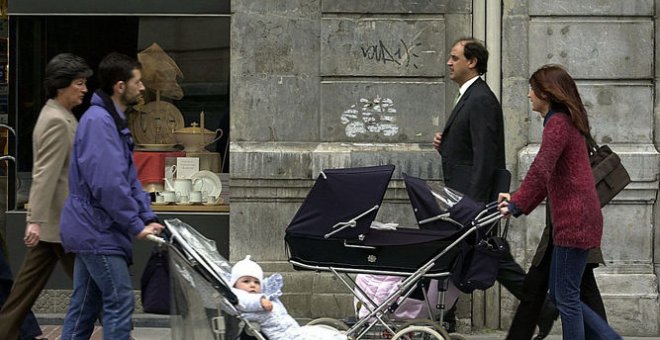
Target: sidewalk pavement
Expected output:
[147,327]
[498,335]
[161,333]
[157,327]
[139,333]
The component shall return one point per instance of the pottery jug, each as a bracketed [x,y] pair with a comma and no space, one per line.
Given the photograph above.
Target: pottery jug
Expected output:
[194,138]
[183,186]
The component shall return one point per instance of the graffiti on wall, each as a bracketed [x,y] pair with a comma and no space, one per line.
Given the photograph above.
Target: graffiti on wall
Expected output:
[401,54]
[371,116]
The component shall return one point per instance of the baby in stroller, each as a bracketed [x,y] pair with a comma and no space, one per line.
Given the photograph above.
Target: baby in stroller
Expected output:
[265,308]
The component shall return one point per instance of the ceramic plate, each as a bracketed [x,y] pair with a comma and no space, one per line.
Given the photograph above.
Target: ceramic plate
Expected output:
[217,202]
[156,147]
[207,181]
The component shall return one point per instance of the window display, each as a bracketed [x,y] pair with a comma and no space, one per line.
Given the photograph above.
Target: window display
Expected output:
[185,108]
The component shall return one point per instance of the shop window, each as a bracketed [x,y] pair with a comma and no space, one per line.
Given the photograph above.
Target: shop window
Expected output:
[199,46]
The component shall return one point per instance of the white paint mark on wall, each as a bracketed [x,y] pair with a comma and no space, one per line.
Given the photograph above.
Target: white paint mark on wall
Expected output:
[376,116]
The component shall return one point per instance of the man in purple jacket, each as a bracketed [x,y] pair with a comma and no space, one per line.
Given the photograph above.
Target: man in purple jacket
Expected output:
[106,206]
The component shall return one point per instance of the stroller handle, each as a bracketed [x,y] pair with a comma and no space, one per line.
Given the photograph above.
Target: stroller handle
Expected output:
[156,239]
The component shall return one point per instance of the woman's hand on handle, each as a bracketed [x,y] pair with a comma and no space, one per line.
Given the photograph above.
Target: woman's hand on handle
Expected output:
[503,200]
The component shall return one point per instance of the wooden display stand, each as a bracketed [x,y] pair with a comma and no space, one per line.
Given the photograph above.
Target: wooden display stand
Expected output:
[191,208]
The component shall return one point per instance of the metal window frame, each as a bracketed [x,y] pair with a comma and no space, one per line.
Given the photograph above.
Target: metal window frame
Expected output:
[113,7]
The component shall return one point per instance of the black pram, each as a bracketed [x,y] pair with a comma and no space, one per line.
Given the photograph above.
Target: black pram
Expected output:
[331,232]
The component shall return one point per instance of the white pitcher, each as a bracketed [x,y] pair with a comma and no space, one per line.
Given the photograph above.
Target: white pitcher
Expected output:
[183,186]
[169,183]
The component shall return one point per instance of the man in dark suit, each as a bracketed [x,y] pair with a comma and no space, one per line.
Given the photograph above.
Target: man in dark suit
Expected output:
[472,142]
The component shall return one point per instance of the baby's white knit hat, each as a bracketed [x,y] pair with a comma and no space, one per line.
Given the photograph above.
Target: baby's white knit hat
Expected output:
[246,267]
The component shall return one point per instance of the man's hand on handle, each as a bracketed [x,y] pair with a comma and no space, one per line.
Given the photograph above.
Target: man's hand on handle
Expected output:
[153,228]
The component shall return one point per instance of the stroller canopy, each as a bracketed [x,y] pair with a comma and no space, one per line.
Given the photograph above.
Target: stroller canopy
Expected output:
[332,227]
[343,201]
[203,253]
[438,207]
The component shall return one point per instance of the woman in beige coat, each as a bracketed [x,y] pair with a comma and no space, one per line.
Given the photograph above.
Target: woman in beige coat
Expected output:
[52,139]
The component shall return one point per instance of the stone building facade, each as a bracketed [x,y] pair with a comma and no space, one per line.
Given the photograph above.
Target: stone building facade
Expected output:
[321,84]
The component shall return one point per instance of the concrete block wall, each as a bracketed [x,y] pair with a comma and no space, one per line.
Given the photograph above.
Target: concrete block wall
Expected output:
[339,83]
[322,84]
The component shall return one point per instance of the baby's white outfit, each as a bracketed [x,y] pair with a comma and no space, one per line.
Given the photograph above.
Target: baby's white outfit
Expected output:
[278,324]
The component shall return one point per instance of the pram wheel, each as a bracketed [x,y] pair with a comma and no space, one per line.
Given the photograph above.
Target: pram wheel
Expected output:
[424,323]
[457,336]
[418,332]
[334,323]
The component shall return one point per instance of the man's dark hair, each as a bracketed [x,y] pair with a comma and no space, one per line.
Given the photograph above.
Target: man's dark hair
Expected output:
[473,48]
[115,67]
[62,70]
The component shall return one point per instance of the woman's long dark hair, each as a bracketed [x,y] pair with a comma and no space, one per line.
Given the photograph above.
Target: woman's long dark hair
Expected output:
[553,84]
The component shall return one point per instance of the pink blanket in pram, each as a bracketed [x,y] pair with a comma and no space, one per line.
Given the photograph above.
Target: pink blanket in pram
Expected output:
[380,287]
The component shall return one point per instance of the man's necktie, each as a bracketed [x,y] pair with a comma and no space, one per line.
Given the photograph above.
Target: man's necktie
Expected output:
[458,95]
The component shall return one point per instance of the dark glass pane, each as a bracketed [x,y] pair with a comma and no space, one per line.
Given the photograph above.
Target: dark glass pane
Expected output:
[198,45]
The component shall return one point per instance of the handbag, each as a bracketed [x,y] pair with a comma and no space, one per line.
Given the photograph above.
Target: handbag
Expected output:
[477,264]
[155,283]
[609,174]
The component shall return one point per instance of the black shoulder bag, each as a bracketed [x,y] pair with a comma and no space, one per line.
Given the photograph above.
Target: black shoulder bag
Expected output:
[155,283]
[610,176]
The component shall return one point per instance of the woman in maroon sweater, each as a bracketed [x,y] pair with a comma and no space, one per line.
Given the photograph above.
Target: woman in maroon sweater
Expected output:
[561,172]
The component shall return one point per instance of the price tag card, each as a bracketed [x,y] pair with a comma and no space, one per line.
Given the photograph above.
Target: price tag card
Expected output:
[186,166]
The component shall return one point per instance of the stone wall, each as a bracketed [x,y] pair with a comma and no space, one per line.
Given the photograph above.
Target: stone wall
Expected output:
[341,83]
[321,84]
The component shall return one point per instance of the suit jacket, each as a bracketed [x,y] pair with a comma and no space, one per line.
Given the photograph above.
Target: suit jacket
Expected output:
[52,140]
[473,142]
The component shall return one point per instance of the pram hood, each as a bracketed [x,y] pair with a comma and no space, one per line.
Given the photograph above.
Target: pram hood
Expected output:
[351,195]
[349,199]
[193,243]
[439,207]
[201,251]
